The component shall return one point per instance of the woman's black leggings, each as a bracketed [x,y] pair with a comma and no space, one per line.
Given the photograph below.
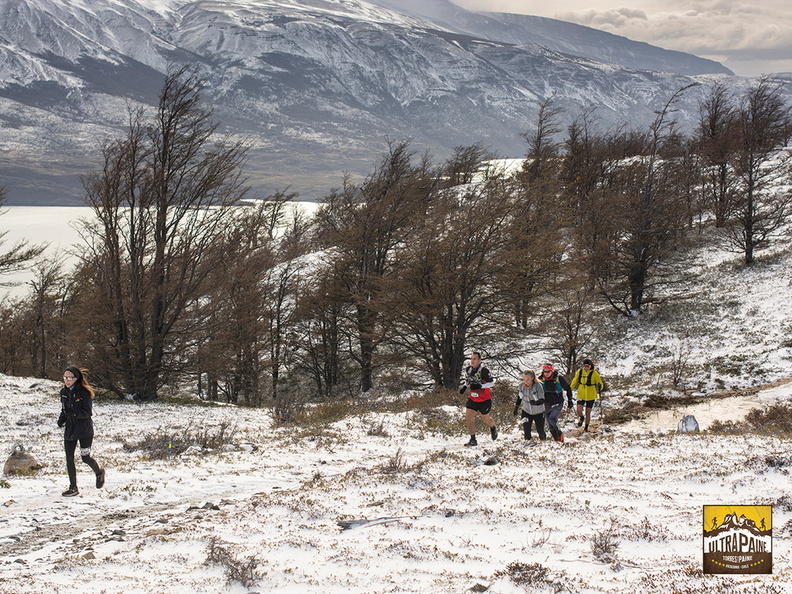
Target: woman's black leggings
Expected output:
[85,454]
[538,419]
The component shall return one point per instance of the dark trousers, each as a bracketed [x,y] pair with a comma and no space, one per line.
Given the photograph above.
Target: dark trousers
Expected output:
[538,419]
[551,413]
[71,468]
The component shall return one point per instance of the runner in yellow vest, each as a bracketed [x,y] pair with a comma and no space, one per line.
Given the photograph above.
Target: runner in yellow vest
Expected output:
[588,383]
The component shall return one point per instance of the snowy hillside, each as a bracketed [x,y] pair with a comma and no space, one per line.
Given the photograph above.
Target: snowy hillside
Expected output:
[731,325]
[317,87]
[380,496]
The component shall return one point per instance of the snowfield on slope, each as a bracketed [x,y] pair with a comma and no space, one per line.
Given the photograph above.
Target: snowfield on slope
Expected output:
[377,503]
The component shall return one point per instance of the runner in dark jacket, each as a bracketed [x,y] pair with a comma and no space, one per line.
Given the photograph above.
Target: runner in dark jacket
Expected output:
[554,387]
[76,410]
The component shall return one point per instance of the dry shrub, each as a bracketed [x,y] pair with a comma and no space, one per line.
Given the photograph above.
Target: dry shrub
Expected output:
[645,530]
[604,543]
[632,409]
[288,406]
[377,430]
[439,421]
[172,441]
[327,412]
[236,570]
[526,574]
[428,400]
[783,503]
[398,465]
[780,461]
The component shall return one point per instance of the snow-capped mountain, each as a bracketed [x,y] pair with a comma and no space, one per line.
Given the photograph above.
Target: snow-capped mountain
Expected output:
[317,85]
[559,36]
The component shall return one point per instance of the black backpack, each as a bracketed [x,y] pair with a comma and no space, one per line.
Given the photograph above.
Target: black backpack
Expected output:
[588,379]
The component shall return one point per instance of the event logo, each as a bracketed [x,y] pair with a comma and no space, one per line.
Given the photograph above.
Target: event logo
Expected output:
[738,539]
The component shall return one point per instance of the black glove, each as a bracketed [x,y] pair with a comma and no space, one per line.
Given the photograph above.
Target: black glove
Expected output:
[463,389]
[61,420]
[516,410]
[475,386]
[569,403]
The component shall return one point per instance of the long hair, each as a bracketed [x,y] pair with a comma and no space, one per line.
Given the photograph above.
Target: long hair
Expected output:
[82,379]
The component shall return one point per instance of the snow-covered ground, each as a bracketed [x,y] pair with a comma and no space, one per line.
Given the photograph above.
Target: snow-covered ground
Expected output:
[392,502]
[377,502]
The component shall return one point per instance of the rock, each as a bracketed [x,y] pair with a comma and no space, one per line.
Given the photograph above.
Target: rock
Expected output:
[688,424]
[20,461]
[491,461]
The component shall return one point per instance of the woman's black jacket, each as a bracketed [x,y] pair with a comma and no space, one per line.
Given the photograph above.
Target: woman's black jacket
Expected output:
[76,411]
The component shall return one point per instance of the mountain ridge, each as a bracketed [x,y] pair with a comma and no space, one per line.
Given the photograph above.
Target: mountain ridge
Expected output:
[560,36]
[316,87]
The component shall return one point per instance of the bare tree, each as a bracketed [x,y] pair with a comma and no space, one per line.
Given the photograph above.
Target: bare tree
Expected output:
[459,275]
[322,336]
[250,304]
[160,202]
[763,201]
[51,291]
[652,219]
[717,143]
[233,353]
[365,223]
[33,328]
[536,229]
[592,175]
[541,159]
[572,326]
[14,339]
[465,163]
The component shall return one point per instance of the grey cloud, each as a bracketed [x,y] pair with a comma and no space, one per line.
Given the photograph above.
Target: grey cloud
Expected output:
[604,19]
[739,34]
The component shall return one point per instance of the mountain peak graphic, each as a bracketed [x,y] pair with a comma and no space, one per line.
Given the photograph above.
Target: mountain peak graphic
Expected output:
[737,522]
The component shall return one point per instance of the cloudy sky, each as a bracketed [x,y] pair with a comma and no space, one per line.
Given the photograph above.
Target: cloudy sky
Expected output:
[749,37]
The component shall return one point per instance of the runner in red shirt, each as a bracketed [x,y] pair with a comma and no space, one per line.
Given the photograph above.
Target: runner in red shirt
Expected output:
[479,380]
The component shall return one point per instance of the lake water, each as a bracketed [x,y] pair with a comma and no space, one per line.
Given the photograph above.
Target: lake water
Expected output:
[54,225]
[40,224]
